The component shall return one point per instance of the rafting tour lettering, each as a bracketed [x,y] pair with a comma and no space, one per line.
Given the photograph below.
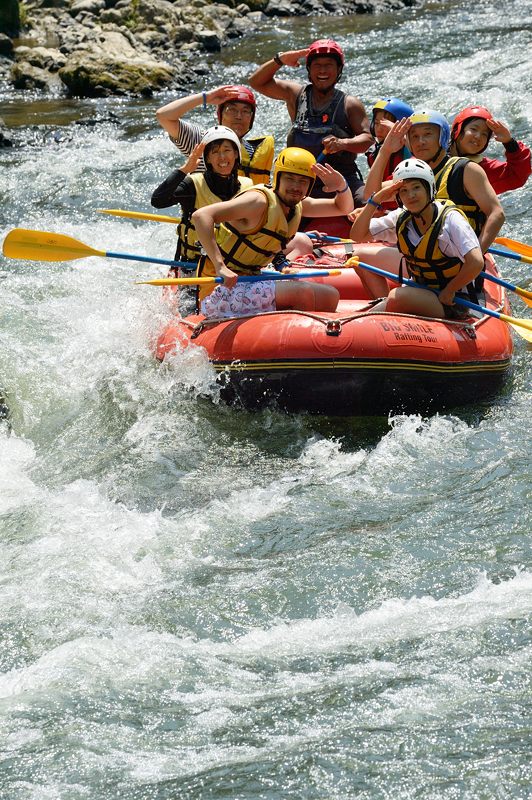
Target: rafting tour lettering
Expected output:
[410,331]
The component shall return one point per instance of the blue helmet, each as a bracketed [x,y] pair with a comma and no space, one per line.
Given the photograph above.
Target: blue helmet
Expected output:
[428,115]
[394,106]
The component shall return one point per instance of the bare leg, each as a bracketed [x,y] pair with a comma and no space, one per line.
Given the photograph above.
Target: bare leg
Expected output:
[378,255]
[408,300]
[300,245]
[305,296]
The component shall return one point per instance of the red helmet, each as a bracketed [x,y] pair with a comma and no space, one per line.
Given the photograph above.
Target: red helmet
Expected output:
[326,47]
[471,112]
[244,95]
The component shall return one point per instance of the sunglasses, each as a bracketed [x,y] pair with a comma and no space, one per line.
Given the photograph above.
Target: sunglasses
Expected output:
[243,111]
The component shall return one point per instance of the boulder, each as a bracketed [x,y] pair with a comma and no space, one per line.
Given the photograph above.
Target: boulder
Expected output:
[92,74]
[209,40]
[87,6]
[43,57]
[280,8]
[26,76]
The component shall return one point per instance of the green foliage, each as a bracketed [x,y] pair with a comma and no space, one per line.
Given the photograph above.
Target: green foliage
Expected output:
[132,19]
[23,13]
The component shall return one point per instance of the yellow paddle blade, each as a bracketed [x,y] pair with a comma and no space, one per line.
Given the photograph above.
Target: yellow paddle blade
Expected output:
[119,212]
[176,282]
[521,326]
[45,246]
[524,295]
[519,247]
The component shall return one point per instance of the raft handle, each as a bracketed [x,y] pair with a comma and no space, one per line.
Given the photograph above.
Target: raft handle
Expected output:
[334,327]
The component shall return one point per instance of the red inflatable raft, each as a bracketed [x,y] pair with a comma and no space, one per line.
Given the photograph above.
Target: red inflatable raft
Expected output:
[353,361]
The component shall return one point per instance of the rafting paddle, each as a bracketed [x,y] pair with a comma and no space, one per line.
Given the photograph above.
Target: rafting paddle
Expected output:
[519,247]
[264,276]
[516,323]
[524,294]
[120,212]
[46,246]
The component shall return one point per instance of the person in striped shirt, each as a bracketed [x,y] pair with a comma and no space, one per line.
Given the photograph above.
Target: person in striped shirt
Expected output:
[235,107]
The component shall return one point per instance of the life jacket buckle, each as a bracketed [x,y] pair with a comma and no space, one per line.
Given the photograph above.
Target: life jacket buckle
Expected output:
[334,327]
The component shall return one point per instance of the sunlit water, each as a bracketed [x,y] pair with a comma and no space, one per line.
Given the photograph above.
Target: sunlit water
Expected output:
[197,602]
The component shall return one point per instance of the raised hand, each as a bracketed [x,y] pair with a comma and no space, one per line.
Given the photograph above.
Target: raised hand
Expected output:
[387,192]
[222,94]
[501,132]
[396,137]
[192,161]
[332,180]
[292,57]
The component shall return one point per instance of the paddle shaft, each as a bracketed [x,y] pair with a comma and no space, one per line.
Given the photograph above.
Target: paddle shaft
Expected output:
[120,212]
[483,274]
[519,247]
[151,260]
[264,276]
[407,282]
[505,254]
[337,240]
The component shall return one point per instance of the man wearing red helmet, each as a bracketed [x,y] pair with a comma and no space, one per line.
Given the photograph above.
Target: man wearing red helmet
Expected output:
[470,134]
[236,110]
[329,123]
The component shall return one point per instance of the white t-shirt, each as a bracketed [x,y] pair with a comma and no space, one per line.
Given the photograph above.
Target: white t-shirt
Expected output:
[457,238]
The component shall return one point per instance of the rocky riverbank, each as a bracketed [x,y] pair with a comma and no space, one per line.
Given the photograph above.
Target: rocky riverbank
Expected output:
[96,48]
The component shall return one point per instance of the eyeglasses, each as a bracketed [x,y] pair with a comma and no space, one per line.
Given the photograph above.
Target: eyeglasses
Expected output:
[241,111]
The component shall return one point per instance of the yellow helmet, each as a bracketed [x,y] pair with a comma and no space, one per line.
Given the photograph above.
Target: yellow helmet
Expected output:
[297,161]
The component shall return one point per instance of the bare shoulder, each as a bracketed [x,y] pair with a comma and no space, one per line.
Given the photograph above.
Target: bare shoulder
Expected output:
[475,175]
[352,102]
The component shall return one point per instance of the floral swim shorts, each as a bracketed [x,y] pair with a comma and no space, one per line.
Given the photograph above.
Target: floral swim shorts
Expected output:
[244,299]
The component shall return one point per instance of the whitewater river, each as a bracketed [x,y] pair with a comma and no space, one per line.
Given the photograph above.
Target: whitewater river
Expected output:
[198,602]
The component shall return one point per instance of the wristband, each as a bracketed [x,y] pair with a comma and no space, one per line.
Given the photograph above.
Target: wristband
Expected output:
[341,191]
[204,95]
[277,59]
[511,146]
[371,202]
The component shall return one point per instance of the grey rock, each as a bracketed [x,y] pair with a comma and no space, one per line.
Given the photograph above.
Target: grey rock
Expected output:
[42,57]
[280,8]
[26,76]
[209,40]
[90,6]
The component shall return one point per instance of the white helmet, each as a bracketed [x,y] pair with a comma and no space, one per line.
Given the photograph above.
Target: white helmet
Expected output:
[414,168]
[221,132]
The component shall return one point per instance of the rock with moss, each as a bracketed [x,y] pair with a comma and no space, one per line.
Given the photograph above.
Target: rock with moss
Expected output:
[87,75]
[136,46]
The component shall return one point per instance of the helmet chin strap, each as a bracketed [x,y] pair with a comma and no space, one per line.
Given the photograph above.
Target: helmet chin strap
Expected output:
[434,159]
[420,213]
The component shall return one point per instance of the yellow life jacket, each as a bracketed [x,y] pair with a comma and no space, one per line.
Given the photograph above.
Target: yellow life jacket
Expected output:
[426,263]
[450,186]
[257,167]
[188,246]
[247,253]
